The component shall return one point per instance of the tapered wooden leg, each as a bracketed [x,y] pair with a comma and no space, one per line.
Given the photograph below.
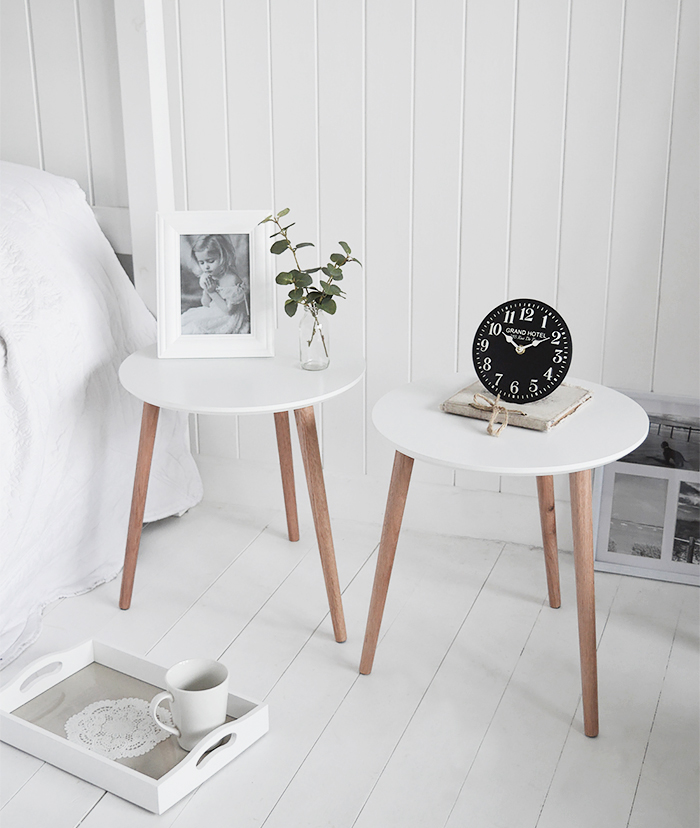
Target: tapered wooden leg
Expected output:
[284,448]
[308,439]
[393,516]
[149,423]
[582,523]
[548,522]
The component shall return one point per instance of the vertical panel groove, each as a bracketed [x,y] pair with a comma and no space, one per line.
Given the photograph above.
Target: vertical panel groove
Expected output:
[365,414]
[612,193]
[83,100]
[460,191]
[35,86]
[665,207]
[272,129]
[512,149]
[557,259]
[181,95]
[227,133]
[317,126]
[411,182]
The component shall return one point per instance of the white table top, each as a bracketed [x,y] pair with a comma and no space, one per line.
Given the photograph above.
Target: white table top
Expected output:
[245,385]
[604,429]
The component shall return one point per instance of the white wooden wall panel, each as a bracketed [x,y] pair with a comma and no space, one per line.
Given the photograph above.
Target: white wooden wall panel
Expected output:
[677,364]
[389,103]
[19,125]
[540,87]
[589,165]
[486,175]
[248,102]
[63,116]
[102,102]
[205,102]
[341,198]
[648,62]
[435,195]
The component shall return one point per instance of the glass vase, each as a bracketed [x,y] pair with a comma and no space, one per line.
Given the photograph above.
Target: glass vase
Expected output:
[314,347]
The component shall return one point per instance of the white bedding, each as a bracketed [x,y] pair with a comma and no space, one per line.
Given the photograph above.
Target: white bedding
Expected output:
[68,431]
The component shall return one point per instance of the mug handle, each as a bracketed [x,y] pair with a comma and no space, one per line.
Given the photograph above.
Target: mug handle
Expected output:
[161,697]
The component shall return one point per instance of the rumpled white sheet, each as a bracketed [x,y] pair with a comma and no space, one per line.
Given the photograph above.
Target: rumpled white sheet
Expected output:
[68,431]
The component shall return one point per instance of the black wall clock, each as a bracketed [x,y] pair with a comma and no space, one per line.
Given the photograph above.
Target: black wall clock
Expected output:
[522,350]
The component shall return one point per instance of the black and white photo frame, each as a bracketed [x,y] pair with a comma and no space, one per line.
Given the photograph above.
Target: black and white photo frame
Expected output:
[215,285]
[649,501]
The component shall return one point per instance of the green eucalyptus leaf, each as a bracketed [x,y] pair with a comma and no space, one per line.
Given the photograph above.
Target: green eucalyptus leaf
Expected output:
[303,280]
[345,248]
[333,271]
[269,218]
[332,290]
[304,244]
[296,295]
[356,260]
[328,305]
[312,269]
[283,278]
[338,258]
[290,307]
[279,247]
[283,212]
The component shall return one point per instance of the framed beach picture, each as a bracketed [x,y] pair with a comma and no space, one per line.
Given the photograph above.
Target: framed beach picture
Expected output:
[215,285]
[649,501]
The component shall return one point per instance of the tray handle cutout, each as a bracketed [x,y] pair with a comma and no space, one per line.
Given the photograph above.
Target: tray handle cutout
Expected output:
[46,670]
[207,755]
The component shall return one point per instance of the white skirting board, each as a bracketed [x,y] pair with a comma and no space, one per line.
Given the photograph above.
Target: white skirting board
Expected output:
[431,507]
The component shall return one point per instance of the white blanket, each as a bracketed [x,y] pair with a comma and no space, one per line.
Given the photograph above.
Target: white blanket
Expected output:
[68,431]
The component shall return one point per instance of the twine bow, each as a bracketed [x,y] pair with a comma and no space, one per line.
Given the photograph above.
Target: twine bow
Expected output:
[495,408]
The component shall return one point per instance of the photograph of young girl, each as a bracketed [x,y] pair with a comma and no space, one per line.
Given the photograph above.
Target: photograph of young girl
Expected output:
[215,284]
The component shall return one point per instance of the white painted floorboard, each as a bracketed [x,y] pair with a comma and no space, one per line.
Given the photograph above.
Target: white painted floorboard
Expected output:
[471,716]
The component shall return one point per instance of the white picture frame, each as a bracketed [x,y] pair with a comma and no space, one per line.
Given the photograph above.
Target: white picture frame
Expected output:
[648,516]
[215,284]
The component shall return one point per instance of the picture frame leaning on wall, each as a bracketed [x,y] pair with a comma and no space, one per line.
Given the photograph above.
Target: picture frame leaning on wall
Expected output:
[648,517]
[215,284]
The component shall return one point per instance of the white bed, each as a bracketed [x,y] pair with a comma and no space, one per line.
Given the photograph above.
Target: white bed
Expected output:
[68,431]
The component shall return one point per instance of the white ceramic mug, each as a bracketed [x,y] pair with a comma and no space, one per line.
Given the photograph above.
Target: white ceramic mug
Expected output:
[198,694]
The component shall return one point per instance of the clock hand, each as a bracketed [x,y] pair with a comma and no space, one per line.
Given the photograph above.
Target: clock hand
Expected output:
[518,348]
[534,342]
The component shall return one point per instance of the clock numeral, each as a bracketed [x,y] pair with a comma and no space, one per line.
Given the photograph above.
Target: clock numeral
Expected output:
[558,355]
[533,386]
[526,314]
[499,377]
[510,317]
[483,345]
[487,364]
[514,387]
[548,373]
[556,337]
[495,328]
[544,320]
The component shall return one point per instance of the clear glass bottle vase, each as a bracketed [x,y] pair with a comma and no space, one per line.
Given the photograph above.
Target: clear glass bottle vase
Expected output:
[314,343]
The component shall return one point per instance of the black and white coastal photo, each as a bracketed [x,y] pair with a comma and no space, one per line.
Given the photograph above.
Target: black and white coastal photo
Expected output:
[215,283]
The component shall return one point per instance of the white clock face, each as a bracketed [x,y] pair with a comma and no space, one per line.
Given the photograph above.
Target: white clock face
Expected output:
[522,350]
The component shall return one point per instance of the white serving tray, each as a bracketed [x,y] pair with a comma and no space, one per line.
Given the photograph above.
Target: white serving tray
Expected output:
[35,706]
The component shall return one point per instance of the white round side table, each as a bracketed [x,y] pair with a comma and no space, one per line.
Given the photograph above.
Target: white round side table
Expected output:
[604,429]
[241,386]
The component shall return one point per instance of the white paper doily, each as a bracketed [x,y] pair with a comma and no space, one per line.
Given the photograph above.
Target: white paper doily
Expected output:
[117,728]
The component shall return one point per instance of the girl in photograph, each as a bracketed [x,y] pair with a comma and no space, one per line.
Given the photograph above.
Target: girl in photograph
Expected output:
[224,308]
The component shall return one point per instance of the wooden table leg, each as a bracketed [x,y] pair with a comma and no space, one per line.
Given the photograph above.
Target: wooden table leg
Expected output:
[308,439]
[395,504]
[284,449]
[149,423]
[582,523]
[548,522]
